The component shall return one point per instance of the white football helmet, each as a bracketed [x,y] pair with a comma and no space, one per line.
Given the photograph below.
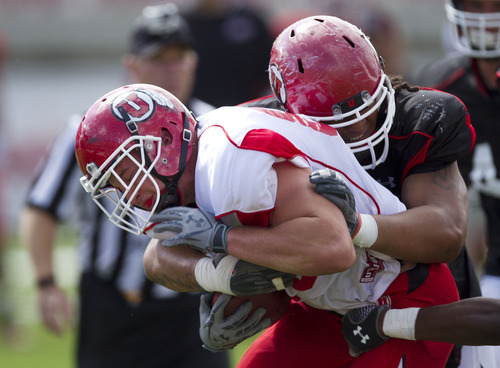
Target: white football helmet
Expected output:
[473,33]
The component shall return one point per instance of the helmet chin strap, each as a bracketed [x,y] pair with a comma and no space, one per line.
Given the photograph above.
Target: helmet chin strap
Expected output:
[171,197]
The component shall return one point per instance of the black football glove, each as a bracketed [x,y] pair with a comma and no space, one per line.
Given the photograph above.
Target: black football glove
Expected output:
[330,185]
[360,329]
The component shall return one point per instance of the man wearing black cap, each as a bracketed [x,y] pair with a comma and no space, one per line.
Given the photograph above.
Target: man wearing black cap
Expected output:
[162,52]
[124,319]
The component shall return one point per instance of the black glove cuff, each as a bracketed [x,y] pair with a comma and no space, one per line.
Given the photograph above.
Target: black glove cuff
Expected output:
[219,240]
[360,329]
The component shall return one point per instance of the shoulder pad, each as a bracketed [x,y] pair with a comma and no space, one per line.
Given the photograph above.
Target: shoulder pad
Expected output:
[441,73]
[269,102]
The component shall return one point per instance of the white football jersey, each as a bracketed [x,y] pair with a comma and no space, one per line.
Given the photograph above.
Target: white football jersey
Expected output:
[238,147]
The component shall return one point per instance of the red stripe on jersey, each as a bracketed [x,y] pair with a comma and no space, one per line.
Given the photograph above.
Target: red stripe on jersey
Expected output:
[419,157]
[448,81]
[261,218]
[275,144]
[265,140]
[472,132]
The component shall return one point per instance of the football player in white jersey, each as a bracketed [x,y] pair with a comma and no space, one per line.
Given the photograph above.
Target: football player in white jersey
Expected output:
[247,171]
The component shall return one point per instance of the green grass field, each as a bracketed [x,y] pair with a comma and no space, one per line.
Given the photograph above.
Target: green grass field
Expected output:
[36,347]
[31,344]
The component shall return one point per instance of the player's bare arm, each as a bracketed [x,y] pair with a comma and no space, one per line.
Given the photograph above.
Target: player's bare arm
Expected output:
[172,267]
[38,230]
[308,235]
[446,322]
[185,269]
[437,203]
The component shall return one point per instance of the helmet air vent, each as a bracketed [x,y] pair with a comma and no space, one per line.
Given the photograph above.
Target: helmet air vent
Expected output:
[349,41]
[301,67]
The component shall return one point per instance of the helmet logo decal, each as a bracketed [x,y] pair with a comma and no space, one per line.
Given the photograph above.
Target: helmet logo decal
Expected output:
[277,83]
[351,103]
[139,105]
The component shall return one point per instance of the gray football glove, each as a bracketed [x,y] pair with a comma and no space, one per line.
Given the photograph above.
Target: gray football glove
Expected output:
[194,227]
[251,279]
[330,185]
[219,333]
[360,329]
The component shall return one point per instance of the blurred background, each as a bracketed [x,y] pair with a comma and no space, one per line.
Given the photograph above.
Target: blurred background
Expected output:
[58,56]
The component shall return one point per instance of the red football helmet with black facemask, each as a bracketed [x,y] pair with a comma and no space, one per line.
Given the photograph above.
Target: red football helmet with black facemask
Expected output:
[327,69]
[146,126]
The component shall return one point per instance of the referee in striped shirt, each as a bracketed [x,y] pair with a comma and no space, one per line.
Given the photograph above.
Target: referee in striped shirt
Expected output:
[124,320]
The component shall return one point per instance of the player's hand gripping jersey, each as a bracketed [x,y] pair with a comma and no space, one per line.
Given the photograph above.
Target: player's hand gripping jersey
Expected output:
[237,149]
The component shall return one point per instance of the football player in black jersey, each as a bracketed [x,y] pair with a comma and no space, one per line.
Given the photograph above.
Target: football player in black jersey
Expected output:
[408,138]
[471,73]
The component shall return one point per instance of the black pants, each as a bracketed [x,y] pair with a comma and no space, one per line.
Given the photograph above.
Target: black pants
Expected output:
[153,334]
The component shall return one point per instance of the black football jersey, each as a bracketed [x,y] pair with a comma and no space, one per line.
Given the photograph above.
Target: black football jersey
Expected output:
[458,74]
[431,130]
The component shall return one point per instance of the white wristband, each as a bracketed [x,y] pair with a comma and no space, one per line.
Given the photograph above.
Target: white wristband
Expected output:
[367,233]
[400,323]
[212,278]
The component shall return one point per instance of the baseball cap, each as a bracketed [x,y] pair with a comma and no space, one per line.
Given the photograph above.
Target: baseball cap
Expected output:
[157,27]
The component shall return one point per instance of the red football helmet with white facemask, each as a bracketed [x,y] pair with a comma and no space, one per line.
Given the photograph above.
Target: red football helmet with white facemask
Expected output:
[151,131]
[327,69]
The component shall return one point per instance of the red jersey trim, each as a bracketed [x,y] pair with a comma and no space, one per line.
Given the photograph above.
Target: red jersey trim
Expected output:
[452,78]
[419,157]
[278,146]
[268,141]
[261,218]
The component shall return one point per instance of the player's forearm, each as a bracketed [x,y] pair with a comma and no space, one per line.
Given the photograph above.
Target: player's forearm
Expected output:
[421,234]
[303,246]
[38,231]
[308,235]
[434,227]
[172,267]
[473,321]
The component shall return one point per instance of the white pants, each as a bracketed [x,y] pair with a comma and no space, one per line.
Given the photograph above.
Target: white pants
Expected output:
[483,356]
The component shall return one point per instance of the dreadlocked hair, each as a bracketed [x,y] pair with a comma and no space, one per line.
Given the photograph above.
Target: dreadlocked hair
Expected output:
[398,84]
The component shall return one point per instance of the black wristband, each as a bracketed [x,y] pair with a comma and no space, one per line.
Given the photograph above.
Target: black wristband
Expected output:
[45,282]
